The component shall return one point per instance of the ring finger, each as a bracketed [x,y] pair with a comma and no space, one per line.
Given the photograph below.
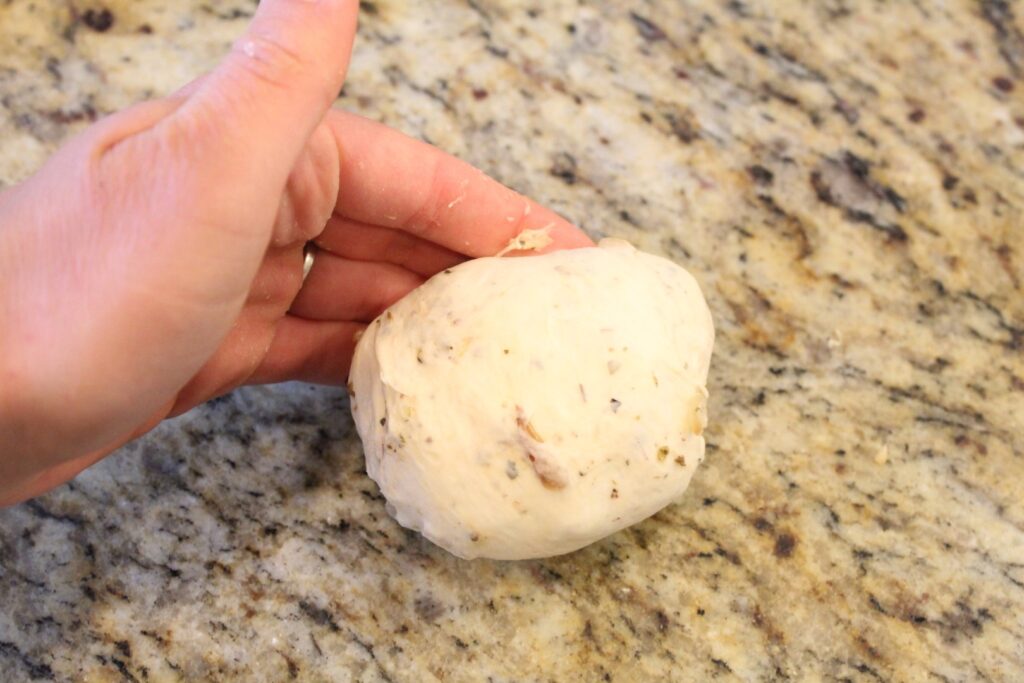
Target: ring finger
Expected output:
[343,289]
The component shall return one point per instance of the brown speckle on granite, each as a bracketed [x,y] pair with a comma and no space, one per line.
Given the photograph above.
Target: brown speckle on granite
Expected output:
[844,180]
[99,20]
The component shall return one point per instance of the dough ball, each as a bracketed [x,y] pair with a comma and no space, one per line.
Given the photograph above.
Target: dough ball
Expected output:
[516,408]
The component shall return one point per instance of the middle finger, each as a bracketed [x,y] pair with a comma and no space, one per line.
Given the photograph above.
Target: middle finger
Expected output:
[363,242]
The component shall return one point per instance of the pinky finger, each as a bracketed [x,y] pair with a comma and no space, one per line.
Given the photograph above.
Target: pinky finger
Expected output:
[310,351]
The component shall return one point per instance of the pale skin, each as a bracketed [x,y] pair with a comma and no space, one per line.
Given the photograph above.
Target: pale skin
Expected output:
[155,261]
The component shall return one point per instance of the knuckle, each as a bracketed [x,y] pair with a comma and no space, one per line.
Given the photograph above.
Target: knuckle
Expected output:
[270,60]
[310,196]
[124,129]
[181,135]
[401,248]
[424,220]
[273,62]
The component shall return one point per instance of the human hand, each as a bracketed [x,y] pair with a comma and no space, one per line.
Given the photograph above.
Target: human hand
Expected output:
[156,260]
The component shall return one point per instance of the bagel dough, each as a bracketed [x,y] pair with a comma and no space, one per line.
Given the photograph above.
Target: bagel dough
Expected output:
[515,408]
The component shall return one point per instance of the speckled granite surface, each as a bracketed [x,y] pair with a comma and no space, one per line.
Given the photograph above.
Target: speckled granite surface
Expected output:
[846,183]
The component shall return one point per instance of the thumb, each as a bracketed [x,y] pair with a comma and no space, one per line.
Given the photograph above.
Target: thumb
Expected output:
[256,111]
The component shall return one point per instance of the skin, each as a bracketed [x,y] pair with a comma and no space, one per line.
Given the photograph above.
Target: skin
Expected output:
[155,262]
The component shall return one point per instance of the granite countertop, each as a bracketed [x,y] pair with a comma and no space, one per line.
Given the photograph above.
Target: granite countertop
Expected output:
[846,181]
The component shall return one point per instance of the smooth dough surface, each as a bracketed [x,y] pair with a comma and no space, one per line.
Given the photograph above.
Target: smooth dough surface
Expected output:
[515,408]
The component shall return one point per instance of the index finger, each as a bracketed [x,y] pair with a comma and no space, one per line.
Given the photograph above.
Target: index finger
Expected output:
[391,180]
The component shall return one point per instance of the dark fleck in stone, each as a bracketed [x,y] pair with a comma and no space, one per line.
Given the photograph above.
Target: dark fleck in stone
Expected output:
[895,199]
[319,615]
[859,166]
[564,167]
[761,175]
[99,20]
[480,94]
[293,668]
[86,113]
[784,545]
[145,29]
[647,29]
[875,604]
[428,608]
[681,127]
[949,182]
[662,620]
[847,111]
[1002,84]
[762,524]
[916,116]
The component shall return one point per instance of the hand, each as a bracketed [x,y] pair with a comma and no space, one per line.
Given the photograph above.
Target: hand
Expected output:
[156,260]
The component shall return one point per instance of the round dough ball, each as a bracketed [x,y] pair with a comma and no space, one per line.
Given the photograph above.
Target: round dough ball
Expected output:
[516,408]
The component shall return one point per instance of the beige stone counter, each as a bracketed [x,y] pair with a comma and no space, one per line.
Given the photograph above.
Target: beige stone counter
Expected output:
[846,182]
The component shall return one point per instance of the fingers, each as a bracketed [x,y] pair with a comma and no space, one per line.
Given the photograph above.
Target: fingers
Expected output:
[341,289]
[258,108]
[391,180]
[310,351]
[362,242]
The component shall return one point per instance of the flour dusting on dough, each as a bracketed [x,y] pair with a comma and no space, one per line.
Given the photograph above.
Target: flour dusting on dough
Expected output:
[529,240]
